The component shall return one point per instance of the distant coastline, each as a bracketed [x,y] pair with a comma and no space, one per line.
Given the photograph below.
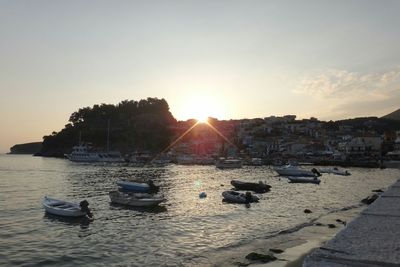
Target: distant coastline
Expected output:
[27,148]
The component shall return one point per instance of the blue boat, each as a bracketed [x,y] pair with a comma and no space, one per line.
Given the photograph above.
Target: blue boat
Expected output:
[134,186]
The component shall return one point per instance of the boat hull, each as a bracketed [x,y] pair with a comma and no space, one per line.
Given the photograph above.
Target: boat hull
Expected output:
[131,200]
[95,157]
[304,180]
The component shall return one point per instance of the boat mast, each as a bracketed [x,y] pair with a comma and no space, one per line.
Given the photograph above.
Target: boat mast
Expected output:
[108,135]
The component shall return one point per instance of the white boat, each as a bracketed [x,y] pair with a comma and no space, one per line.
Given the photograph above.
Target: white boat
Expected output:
[296,179]
[228,163]
[84,153]
[136,200]
[241,198]
[63,208]
[334,170]
[290,170]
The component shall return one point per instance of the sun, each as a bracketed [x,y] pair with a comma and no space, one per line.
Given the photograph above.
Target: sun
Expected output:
[201,108]
[202,118]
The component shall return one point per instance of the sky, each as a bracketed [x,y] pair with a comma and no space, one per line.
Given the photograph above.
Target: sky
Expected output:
[226,59]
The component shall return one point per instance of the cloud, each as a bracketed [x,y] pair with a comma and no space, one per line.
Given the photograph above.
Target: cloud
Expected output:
[341,93]
[351,86]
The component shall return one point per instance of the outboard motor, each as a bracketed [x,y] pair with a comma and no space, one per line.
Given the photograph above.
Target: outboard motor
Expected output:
[248,197]
[84,204]
[153,187]
[314,170]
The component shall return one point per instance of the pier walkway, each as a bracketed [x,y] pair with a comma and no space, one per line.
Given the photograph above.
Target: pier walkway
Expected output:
[372,239]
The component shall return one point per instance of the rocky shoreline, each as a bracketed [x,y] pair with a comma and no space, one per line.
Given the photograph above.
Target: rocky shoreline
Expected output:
[288,247]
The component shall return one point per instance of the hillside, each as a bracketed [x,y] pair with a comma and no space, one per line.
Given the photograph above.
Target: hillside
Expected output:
[28,148]
[128,126]
[395,115]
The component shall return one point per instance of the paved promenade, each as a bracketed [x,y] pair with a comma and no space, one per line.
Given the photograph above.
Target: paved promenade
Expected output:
[372,239]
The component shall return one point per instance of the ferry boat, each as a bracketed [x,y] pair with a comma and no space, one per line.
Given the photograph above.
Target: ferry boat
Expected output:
[84,153]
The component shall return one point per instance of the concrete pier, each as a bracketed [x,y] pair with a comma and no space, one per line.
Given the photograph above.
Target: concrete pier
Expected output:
[372,239]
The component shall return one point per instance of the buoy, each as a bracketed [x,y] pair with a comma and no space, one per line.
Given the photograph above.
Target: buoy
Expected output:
[202,195]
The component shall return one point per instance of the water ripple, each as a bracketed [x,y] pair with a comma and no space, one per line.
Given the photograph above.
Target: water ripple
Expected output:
[174,234]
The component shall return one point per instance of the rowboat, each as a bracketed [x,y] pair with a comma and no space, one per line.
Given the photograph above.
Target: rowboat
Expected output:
[136,200]
[63,208]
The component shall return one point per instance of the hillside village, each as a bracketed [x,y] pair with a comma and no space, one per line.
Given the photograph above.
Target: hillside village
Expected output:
[358,142]
[146,130]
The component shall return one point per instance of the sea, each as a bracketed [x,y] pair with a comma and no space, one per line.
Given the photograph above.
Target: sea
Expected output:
[182,231]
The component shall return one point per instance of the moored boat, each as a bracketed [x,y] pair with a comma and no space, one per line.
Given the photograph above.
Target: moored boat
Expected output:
[64,208]
[290,170]
[297,179]
[229,163]
[241,198]
[259,187]
[84,153]
[335,170]
[136,200]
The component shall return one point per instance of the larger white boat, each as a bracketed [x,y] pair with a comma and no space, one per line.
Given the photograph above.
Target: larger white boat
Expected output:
[290,170]
[84,153]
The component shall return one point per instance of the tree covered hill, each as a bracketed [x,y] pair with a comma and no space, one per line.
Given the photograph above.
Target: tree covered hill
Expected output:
[133,125]
[379,125]
[395,115]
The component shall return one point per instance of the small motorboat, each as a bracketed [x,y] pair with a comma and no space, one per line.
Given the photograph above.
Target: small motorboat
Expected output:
[236,197]
[310,180]
[134,186]
[291,170]
[132,199]
[259,187]
[64,208]
[335,170]
[228,163]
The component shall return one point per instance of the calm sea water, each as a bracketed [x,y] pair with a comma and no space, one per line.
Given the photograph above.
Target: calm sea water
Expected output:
[179,233]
